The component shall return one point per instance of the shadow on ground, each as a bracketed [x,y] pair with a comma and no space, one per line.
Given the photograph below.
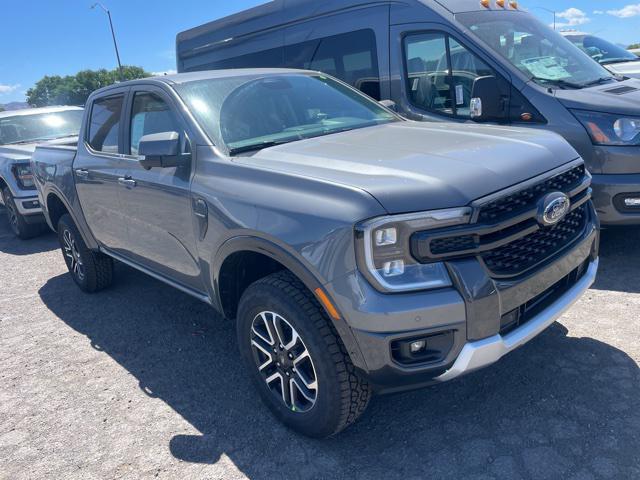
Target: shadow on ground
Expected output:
[556,407]
[14,246]
[619,260]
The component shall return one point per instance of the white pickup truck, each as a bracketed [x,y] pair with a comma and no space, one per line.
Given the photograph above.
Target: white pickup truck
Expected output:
[20,132]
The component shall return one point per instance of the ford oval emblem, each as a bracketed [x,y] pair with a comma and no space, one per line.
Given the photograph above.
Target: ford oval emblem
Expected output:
[553,208]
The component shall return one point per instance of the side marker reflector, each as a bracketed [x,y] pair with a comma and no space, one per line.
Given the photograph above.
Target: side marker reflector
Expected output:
[326,303]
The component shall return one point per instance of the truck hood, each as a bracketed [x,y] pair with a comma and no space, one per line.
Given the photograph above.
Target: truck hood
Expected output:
[620,97]
[628,69]
[23,151]
[411,166]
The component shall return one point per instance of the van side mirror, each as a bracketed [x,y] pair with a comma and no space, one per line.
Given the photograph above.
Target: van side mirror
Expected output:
[390,104]
[487,103]
[161,150]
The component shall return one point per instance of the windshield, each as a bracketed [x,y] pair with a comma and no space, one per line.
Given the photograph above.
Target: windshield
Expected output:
[250,112]
[535,49]
[602,51]
[39,127]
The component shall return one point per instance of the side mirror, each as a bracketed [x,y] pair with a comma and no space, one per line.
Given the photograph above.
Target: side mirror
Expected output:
[161,150]
[390,104]
[487,103]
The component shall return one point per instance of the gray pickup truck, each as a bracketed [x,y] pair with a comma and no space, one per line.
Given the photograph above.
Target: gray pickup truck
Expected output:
[20,132]
[357,252]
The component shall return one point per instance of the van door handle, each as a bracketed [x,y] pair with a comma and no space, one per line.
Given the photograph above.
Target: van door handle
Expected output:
[82,173]
[127,182]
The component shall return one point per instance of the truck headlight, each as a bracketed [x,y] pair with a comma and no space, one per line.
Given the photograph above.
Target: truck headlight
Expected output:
[24,176]
[610,129]
[383,247]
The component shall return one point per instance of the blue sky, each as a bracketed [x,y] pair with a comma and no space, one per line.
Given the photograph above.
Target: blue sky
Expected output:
[60,37]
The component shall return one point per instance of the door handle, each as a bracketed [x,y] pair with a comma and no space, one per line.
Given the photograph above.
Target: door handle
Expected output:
[82,173]
[200,208]
[127,182]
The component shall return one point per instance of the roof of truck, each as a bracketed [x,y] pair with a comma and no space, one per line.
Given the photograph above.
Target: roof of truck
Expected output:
[35,111]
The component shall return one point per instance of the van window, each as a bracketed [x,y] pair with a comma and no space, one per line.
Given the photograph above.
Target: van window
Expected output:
[272,58]
[104,127]
[351,57]
[150,114]
[441,72]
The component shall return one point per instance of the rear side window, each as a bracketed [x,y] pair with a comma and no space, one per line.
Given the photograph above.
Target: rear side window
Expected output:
[150,114]
[351,57]
[104,126]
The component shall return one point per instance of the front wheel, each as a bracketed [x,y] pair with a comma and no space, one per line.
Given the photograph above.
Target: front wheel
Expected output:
[17,222]
[297,361]
[92,271]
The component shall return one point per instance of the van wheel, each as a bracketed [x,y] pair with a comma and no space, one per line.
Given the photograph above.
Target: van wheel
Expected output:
[92,271]
[18,224]
[296,359]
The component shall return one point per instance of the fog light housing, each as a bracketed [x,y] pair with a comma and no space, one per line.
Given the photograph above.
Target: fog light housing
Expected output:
[428,348]
[627,202]
[417,346]
[632,202]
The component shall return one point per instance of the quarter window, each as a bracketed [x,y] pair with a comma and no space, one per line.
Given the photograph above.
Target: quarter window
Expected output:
[150,114]
[441,72]
[104,127]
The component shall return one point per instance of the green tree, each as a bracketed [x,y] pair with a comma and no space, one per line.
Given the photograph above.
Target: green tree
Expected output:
[634,46]
[75,89]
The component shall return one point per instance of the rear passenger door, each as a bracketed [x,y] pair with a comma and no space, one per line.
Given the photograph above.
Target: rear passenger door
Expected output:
[157,202]
[97,168]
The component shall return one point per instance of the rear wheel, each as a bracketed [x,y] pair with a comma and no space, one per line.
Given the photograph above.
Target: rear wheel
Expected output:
[296,359]
[92,271]
[17,222]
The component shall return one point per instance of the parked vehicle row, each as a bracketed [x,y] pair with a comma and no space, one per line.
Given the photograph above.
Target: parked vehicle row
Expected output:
[358,252]
[440,60]
[616,59]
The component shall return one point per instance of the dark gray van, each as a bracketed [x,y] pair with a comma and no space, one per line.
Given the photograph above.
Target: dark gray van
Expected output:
[455,60]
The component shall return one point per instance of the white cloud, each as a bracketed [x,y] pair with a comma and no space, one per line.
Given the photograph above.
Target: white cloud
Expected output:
[6,89]
[599,12]
[165,72]
[626,12]
[573,17]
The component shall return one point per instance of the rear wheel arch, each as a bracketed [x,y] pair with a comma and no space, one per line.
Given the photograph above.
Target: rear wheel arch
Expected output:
[56,208]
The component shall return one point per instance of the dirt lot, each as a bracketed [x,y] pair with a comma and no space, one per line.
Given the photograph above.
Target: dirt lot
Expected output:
[144,381]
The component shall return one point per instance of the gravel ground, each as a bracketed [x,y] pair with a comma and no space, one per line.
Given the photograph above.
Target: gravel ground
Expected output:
[143,381]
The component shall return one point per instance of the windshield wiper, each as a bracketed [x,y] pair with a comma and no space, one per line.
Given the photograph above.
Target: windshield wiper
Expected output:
[259,146]
[559,83]
[598,81]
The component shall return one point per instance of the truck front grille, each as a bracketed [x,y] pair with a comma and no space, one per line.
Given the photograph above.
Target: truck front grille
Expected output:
[522,200]
[520,255]
[506,234]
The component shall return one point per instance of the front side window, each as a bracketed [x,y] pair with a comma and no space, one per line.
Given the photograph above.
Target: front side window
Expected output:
[251,112]
[150,114]
[543,55]
[39,127]
[441,72]
[104,126]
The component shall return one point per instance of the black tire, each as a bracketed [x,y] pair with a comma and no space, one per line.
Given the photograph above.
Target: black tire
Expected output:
[341,394]
[17,222]
[92,271]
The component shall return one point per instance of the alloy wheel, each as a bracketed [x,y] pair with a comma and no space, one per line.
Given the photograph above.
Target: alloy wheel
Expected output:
[73,255]
[284,361]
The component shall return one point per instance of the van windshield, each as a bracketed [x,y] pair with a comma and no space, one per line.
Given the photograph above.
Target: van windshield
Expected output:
[249,112]
[542,54]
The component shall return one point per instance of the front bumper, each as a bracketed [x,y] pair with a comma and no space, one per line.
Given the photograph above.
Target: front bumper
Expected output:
[469,315]
[30,208]
[609,192]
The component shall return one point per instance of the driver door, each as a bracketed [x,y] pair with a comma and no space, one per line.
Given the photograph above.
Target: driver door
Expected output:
[157,202]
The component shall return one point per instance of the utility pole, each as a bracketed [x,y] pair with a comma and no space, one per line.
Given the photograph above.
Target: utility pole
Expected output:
[550,11]
[113,35]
